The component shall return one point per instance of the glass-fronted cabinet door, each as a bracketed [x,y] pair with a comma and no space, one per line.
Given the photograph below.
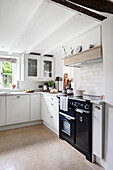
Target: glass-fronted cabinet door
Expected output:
[47,69]
[32,67]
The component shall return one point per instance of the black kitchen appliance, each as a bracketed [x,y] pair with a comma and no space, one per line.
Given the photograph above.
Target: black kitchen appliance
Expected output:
[75,125]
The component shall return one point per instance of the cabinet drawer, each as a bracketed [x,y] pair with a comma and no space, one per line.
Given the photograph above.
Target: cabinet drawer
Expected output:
[51,104]
[51,98]
[52,120]
[52,107]
[13,97]
[97,108]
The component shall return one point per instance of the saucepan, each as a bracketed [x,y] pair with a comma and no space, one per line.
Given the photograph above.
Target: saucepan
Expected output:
[79,92]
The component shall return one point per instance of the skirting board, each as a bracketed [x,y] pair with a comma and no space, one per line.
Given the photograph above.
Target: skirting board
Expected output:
[101,162]
[2,128]
[51,128]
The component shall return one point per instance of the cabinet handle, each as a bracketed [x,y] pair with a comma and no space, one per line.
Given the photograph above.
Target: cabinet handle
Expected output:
[51,98]
[51,104]
[17,96]
[97,107]
[51,116]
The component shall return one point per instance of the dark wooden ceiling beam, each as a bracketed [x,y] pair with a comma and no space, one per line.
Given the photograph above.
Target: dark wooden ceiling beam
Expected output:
[98,5]
[80,9]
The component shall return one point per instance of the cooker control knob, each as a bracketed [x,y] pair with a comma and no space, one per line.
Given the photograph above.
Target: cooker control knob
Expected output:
[86,106]
[76,104]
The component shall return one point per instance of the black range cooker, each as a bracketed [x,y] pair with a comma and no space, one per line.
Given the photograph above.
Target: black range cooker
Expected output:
[75,125]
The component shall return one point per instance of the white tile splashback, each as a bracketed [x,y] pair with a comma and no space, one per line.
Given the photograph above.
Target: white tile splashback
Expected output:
[30,85]
[92,79]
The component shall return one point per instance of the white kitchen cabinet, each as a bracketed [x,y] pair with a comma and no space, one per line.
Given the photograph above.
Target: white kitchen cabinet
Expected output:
[98,130]
[17,109]
[52,119]
[35,107]
[37,68]
[52,111]
[2,110]
[43,108]
[30,67]
[47,68]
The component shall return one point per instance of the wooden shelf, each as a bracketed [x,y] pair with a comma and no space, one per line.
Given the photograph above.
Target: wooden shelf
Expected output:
[88,55]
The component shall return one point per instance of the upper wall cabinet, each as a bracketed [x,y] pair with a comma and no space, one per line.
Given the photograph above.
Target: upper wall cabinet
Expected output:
[37,68]
[32,67]
[47,68]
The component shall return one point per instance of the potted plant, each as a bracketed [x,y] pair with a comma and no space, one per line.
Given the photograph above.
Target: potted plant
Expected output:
[51,84]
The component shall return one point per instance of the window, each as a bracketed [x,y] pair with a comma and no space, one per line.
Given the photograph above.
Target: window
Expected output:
[7,73]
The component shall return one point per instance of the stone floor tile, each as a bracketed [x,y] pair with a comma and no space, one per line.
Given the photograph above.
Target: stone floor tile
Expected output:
[38,148]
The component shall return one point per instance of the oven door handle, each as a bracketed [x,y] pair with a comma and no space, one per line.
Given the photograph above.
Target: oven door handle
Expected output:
[67,117]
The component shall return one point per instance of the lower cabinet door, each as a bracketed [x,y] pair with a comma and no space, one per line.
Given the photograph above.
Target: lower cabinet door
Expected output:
[43,108]
[98,131]
[17,110]
[35,107]
[2,110]
[52,120]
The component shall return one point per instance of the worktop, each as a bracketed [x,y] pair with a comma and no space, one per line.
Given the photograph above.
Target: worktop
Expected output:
[23,93]
[16,93]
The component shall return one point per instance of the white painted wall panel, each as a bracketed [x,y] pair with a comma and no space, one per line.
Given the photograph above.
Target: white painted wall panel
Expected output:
[108,58]
[107,37]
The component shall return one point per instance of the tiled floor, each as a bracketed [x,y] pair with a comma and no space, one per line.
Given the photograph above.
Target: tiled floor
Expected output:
[38,148]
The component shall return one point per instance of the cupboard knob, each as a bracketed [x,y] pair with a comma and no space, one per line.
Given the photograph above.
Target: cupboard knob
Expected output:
[51,116]
[17,96]
[81,119]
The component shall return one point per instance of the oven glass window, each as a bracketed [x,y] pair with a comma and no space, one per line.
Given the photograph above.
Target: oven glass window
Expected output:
[66,127]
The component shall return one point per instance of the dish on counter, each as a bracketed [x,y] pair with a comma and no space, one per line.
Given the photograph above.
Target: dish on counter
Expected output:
[29,91]
[53,90]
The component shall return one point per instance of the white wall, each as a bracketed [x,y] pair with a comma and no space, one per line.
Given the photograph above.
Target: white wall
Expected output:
[107,37]
[89,77]
[93,36]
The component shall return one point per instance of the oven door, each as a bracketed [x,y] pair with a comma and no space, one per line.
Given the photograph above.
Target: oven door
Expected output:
[67,127]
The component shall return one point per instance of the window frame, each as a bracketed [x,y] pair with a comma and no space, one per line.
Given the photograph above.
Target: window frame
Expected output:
[16,72]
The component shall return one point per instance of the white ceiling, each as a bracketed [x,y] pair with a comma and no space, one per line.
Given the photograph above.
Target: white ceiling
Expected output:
[38,25]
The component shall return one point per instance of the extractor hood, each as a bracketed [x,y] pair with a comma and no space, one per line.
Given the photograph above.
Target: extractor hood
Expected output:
[89,56]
